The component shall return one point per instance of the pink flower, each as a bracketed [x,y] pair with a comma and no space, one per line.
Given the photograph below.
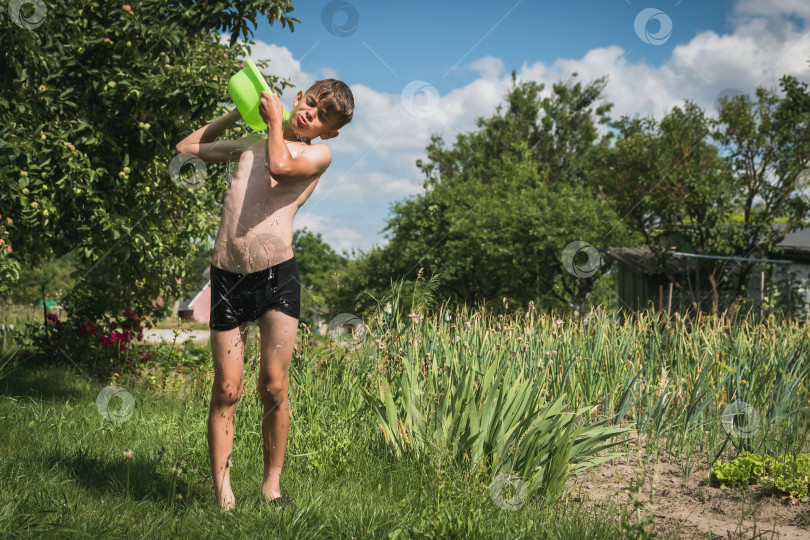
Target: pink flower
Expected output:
[106,341]
[87,329]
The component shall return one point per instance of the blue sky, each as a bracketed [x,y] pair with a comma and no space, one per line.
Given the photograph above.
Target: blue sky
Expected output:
[423,40]
[458,56]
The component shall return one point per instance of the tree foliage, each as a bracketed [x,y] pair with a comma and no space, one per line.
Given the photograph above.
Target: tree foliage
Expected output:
[95,100]
[502,203]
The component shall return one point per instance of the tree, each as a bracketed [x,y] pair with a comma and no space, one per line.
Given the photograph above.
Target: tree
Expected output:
[768,144]
[671,186]
[712,187]
[95,100]
[502,204]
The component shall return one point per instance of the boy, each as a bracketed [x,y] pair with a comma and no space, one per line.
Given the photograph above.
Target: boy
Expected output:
[253,270]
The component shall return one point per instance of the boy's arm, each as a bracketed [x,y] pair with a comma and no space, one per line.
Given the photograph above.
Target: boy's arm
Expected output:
[280,163]
[203,143]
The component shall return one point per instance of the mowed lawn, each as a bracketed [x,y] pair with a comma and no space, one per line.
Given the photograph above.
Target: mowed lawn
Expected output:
[65,472]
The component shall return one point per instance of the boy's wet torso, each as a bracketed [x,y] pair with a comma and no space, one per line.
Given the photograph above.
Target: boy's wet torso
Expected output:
[255,231]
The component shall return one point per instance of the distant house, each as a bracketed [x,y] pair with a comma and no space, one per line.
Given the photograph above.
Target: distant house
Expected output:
[641,281]
[198,308]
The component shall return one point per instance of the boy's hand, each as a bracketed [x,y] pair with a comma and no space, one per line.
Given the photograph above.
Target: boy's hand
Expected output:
[270,109]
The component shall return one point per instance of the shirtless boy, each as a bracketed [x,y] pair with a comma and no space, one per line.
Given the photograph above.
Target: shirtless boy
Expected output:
[253,270]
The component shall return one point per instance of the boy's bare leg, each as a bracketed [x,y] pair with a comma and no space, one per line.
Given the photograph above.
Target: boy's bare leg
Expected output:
[227,349]
[278,331]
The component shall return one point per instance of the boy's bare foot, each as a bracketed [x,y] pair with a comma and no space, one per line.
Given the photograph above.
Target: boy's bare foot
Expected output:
[269,493]
[226,500]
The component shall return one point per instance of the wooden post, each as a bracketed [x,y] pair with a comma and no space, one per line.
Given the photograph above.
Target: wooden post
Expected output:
[669,302]
[660,297]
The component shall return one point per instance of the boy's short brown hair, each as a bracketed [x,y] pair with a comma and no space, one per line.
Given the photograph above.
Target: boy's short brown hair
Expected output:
[338,99]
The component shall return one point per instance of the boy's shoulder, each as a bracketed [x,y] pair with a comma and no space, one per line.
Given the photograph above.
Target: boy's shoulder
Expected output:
[319,152]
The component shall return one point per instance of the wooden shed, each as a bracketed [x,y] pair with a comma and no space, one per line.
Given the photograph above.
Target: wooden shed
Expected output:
[642,282]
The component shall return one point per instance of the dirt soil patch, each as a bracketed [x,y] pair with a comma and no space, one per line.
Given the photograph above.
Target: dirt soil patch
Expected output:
[692,508]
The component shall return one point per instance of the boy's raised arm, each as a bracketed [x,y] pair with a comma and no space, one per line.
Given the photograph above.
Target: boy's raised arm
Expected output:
[280,163]
[203,143]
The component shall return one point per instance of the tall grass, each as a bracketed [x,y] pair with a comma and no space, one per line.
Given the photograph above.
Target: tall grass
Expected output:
[545,397]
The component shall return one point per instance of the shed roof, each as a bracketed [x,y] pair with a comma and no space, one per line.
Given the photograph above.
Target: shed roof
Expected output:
[640,260]
[796,240]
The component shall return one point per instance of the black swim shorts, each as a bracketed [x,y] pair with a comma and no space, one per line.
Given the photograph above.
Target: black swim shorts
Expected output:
[238,298]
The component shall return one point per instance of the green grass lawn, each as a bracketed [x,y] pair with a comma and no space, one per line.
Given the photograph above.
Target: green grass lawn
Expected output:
[65,473]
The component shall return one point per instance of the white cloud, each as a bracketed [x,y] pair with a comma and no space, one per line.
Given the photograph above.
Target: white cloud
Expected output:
[489,67]
[773,8]
[334,232]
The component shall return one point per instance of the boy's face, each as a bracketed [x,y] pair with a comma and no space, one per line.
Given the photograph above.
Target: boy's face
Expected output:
[310,118]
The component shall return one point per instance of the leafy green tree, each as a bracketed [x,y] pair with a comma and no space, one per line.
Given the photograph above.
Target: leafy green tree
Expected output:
[503,202]
[670,184]
[713,187]
[768,145]
[95,100]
